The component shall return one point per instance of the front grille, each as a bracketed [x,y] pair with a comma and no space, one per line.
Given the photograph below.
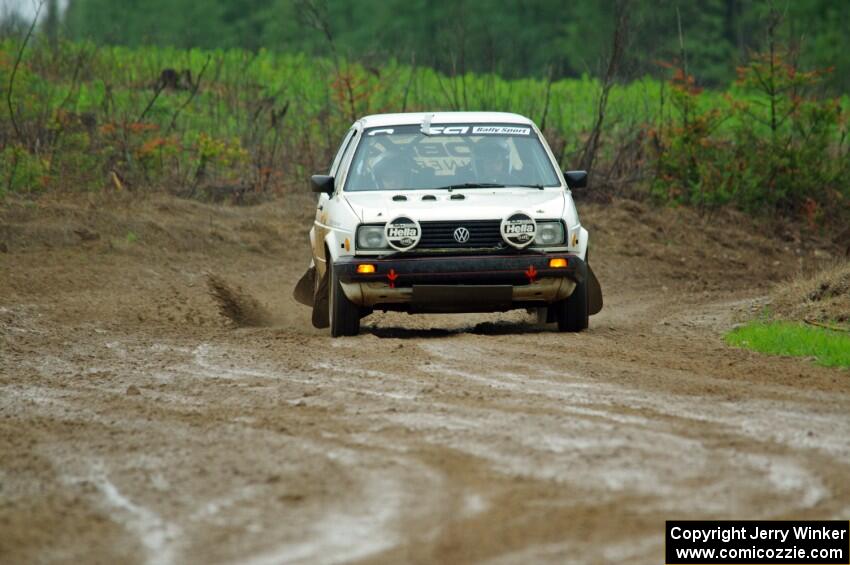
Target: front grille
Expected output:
[482,234]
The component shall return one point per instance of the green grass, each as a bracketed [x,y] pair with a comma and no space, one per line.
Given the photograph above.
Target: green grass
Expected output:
[830,348]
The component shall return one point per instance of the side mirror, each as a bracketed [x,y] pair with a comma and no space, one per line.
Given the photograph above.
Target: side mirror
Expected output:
[576,179]
[322,183]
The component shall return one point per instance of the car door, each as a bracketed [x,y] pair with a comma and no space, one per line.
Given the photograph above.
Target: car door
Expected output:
[326,204]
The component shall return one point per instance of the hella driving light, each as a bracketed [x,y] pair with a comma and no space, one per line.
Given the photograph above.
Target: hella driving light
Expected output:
[371,237]
[549,234]
[402,233]
[519,230]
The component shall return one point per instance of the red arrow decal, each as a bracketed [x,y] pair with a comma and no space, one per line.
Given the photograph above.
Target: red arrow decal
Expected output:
[392,276]
[531,273]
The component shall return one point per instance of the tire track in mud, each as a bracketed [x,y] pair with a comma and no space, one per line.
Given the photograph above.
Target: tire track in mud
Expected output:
[155,534]
[476,443]
[660,425]
[651,426]
[610,425]
[358,521]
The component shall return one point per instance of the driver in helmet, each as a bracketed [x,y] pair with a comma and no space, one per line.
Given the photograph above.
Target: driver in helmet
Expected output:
[492,160]
[393,171]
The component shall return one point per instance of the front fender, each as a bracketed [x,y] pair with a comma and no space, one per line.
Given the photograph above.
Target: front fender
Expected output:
[583,238]
[339,242]
[333,232]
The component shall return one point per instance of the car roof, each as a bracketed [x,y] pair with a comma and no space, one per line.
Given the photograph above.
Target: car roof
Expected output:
[409,118]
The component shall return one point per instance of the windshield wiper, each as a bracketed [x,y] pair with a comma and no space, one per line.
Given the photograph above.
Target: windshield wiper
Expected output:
[470,185]
[487,185]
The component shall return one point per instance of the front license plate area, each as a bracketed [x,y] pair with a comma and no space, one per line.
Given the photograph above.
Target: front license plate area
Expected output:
[461,298]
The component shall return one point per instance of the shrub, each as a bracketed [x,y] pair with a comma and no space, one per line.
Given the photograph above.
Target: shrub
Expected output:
[771,145]
[22,171]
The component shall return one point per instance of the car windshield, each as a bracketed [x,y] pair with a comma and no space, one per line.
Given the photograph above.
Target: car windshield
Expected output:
[450,156]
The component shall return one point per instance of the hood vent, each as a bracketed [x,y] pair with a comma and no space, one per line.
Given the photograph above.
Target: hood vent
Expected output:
[429,197]
[457,197]
[400,198]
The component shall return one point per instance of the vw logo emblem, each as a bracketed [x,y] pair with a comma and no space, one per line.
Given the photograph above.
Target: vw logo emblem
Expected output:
[461,235]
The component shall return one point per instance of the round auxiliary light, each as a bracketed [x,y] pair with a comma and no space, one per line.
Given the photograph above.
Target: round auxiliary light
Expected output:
[518,230]
[403,233]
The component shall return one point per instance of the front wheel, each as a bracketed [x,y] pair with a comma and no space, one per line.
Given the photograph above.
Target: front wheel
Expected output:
[344,315]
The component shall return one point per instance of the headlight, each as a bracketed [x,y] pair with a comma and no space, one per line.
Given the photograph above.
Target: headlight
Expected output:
[549,234]
[371,237]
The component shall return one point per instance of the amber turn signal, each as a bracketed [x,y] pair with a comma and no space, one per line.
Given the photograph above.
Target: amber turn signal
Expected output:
[557,263]
[365,269]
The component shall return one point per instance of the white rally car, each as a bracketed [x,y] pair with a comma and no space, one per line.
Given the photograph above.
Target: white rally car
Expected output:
[447,212]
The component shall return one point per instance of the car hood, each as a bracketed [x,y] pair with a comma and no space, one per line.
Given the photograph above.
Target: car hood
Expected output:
[477,204]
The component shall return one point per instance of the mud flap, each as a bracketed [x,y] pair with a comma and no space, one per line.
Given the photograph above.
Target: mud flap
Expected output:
[321,316]
[303,292]
[594,293]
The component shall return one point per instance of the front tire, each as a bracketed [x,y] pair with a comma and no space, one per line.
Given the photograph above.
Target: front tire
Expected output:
[343,314]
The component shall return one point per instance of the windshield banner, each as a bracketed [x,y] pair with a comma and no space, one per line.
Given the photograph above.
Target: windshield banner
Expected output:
[458,129]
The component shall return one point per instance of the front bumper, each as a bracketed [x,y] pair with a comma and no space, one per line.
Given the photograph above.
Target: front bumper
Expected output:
[476,283]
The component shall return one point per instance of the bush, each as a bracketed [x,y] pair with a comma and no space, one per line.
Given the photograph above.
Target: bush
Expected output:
[771,146]
[21,171]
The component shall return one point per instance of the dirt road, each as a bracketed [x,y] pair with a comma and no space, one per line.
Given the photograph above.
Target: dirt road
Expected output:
[136,425]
